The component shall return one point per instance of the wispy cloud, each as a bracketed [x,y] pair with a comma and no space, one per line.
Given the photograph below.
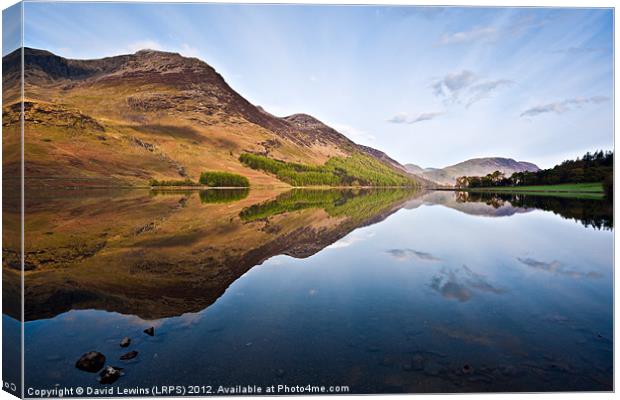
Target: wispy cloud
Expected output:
[576,50]
[484,90]
[565,105]
[407,254]
[404,118]
[453,84]
[475,34]
[468,86]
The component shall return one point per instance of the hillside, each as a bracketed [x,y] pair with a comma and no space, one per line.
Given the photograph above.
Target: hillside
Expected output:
[473,167]
[127,119]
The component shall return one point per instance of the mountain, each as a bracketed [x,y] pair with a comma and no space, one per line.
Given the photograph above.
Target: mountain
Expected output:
[126,119]
[474,167]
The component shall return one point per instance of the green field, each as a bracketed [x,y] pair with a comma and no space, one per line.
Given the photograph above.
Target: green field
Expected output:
[581,190]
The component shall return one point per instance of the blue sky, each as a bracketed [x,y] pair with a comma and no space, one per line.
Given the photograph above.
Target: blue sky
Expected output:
[432,86]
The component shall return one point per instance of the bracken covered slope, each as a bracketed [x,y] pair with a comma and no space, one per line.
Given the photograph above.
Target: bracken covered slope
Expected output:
[126,119]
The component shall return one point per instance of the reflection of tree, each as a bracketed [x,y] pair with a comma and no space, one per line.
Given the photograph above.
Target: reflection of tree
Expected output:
[356,204]
[209,195]
[590,212]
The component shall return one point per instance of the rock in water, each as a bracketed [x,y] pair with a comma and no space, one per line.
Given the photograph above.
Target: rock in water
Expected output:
[150,331]
[90,362]
[125,342]
[417,363]
[130,355]
[110,374]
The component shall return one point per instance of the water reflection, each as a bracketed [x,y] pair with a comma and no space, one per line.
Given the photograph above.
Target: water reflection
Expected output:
[597,213]
[382,290]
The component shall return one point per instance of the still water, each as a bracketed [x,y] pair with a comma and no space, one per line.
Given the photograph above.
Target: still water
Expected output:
[380,291]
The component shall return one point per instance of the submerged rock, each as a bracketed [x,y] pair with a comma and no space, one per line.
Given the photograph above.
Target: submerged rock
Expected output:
[110,374]
[90,362]
[467,369]
[431,368]
[130,355]
[125,342]
[417,363]
[150,331]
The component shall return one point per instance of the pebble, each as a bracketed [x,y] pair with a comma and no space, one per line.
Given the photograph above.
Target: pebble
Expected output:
[130,355]
[125,342]
[110,375]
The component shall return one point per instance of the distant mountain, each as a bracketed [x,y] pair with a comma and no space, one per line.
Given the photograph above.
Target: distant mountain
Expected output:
[474,167]
[126,119]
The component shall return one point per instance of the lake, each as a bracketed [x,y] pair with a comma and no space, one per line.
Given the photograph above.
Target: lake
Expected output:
[382,291]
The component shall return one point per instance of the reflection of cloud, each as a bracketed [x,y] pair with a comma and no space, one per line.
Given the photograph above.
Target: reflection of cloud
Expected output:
[460,284]
[555,267]
[406,254]
[560,107]
[351,239]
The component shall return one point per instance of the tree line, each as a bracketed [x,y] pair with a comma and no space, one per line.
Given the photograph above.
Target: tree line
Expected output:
[355,170]
[592,167]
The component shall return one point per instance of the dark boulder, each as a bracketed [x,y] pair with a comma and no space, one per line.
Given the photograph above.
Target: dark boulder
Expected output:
[150,331]
[90,362]
[125,342]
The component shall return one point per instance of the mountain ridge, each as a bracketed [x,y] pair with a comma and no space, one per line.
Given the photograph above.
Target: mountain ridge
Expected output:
[479,166]
[174,107]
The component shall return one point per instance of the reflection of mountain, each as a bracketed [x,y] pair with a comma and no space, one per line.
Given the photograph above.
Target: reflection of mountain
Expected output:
[458,201]
[590,212]
[174,252]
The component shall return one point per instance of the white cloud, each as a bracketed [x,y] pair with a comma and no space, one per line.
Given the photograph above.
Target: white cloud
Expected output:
[404,118]
[453,84]
[482,33]
[484,89]
[563,106]
[466,84]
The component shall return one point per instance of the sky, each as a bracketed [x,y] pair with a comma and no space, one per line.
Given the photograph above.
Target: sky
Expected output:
[428,85]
